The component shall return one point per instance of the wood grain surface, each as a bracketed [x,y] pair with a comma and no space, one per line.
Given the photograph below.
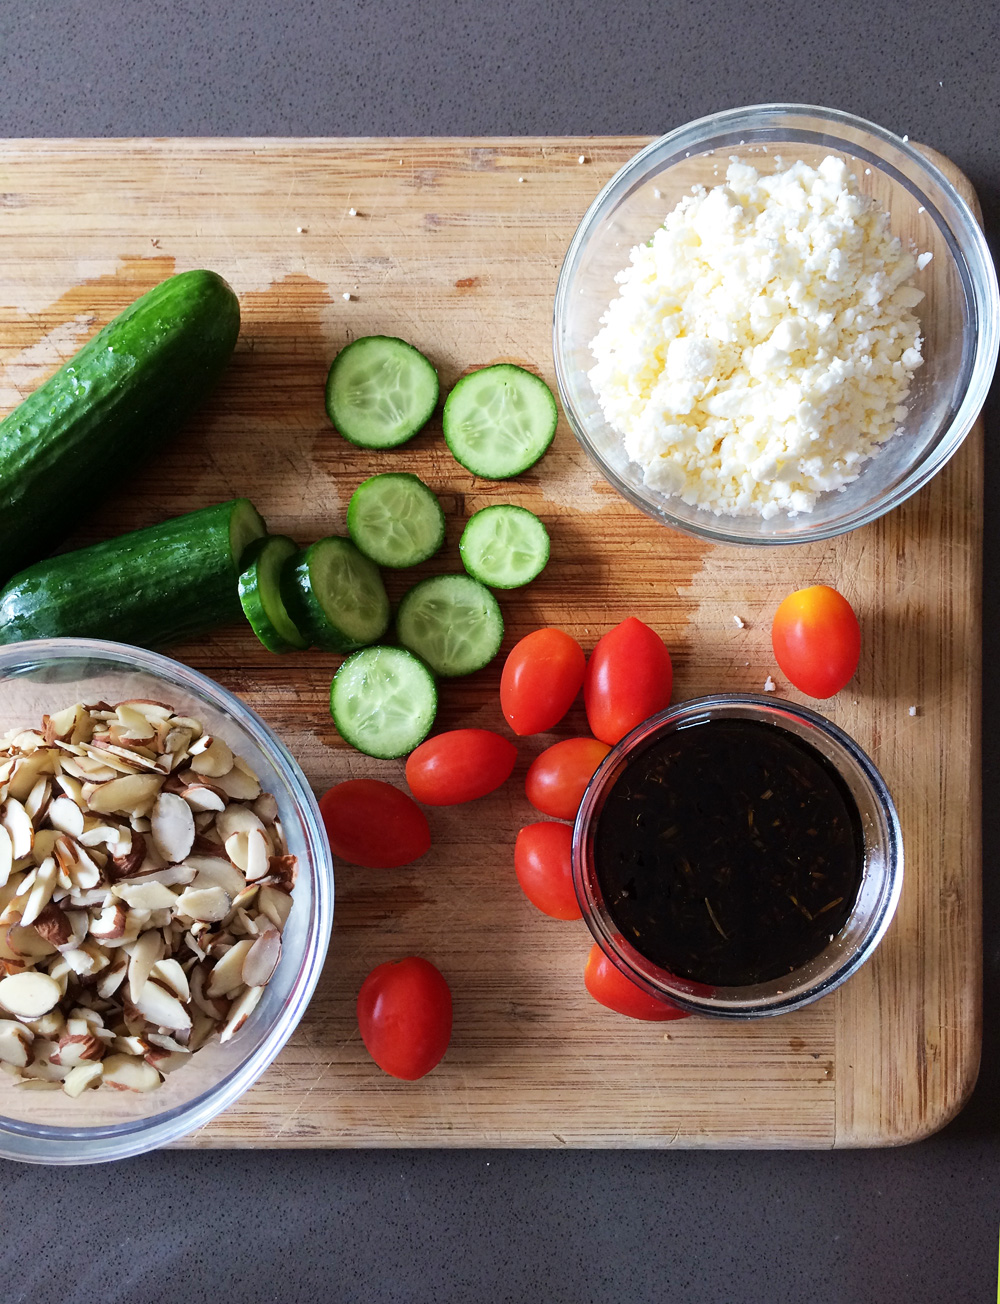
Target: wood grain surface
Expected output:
[456,246]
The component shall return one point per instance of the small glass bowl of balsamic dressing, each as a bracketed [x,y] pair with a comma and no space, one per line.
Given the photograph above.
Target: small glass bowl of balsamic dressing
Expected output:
[738,855]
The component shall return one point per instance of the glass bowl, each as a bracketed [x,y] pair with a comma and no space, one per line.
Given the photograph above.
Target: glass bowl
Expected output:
[960,316]
[47,1126]
[881,881]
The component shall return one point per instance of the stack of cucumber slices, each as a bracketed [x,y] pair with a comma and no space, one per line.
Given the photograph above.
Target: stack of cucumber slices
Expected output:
[176,580]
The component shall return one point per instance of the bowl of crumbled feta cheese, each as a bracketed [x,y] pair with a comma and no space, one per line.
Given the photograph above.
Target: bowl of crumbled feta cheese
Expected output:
[775,324]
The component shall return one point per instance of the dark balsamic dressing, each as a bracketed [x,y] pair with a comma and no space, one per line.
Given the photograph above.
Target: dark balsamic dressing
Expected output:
[729,852]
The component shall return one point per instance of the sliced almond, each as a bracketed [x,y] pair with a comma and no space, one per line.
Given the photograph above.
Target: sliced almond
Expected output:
[15,1043]
[110,923]
[125,795]
[200,797]
[127,864]
[66,816]
[171,975]
[53,926]
[41,890]
[29,995]
[226,977]
[82,1076]
[241,1010]
[27,772]
[266,808]
[147,950]
[237,850]
[211,756]
[17,822]
[239,785]
[208,903]
[44,845]
[74,1048]
[6,855]
[258,855]
[25,942]
[262,958]
[112,978]
[218,873]
[172,827]
[161,1007]
[38,798]
[237,818]
[142,895]
[125,1073]
[283,870]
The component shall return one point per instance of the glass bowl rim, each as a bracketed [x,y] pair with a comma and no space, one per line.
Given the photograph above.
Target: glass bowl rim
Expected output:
[981,276]
[45,1144]
[771,710]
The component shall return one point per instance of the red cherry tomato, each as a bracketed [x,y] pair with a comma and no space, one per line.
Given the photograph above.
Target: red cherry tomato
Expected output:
[459,766]
[543,863]
[404,1016]
[629,678]
[816,640]
[541,677]
[556,779]
[608,985]
[372,823]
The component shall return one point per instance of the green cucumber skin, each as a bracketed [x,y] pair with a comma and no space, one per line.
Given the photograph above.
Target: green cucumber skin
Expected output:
[153,587]
[108,408]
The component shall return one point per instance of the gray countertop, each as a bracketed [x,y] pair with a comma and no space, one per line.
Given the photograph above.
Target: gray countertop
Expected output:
[918,1224]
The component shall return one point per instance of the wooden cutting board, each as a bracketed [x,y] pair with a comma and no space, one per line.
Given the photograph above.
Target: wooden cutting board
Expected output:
[456,245]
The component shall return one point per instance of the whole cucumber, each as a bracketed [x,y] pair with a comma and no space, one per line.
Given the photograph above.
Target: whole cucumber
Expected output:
[109,407]
[153,587]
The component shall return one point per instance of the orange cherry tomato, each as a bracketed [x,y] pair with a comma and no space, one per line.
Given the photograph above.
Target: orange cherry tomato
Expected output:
[557,778]
[816,640]
[541,677]
[609,986]
[543,863]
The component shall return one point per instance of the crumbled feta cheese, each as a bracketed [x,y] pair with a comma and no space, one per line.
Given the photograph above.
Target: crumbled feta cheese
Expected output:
[762,344]
[352,212]
[346,296]
[912,710]
[769,685]
[740,624]
[582,158]
[923,260]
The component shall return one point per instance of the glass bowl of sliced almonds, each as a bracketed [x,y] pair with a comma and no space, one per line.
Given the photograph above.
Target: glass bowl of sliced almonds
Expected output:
[166,899]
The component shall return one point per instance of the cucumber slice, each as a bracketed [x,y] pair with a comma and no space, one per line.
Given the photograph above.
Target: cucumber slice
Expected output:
[260,594]
[335,596]
[395,519]
[383,701]
[504,546]
[452,622]
[499,421]
[380,391]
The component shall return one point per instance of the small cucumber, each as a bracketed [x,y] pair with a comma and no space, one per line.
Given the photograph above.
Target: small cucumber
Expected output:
[260,594]
[452,622]
[335,595]
[395,519]
[112,405]
[499,421]
[153,587]
[383,701]
[504,546]
[380,391]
